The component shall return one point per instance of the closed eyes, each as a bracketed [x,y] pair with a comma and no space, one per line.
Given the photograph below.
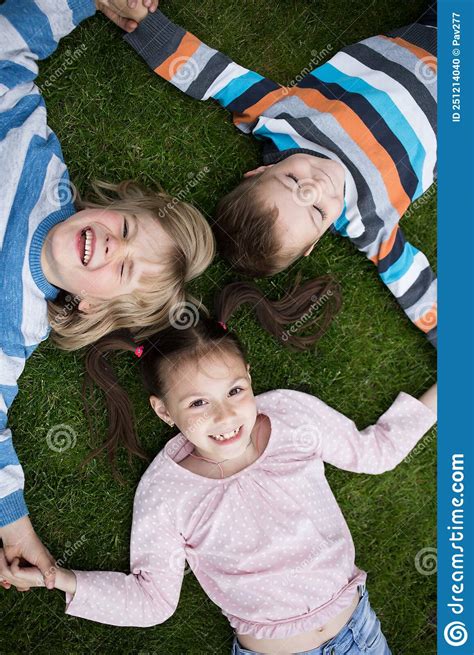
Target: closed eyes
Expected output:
[295,179]
[124,234]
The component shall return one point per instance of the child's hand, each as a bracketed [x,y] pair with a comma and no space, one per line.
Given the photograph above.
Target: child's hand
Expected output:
[20,540]
[151,5]
[125,14]
[23,577]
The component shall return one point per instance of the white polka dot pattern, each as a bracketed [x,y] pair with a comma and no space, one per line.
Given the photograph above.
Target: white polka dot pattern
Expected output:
[269,544]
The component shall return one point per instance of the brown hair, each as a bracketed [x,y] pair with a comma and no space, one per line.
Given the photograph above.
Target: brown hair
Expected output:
[245,231]
[196,335]
[147,309]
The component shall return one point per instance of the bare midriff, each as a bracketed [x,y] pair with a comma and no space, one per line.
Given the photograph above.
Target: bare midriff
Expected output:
[303,641]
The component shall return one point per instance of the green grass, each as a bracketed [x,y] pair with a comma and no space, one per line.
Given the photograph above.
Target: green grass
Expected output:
[116,120]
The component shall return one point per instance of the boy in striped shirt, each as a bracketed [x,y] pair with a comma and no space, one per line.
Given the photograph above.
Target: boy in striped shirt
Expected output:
[347,150]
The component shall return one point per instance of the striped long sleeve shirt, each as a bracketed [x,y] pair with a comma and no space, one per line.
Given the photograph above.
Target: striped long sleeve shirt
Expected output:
[371,107]
[35,196]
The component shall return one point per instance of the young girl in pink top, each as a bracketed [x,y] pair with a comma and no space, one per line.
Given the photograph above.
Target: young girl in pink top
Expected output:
[240,493]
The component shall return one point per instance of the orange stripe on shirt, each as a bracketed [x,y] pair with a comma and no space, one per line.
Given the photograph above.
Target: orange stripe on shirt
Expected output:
[386,246]
[429,320]
[253,112]
[187,47]
[428,59]
[363,137]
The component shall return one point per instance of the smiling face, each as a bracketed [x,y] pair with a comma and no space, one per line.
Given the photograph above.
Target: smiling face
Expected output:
[100,254]
[212,403]
[308,192]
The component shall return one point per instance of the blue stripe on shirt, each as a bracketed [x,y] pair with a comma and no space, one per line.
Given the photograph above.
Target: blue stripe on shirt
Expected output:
[8,391]
[237,87]
[12,74]
[385,106]
[401,266]
[341,223]
[281,141]
[8,456]
[12,508]
[3,421]
[16,235]
[17,116]
[27,12]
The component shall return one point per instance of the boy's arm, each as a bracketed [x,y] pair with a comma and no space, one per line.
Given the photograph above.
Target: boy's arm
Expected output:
[407,273]
[335,439]
[202,72]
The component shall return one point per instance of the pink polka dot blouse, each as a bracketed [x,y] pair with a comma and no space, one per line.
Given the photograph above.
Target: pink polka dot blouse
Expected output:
[269,544]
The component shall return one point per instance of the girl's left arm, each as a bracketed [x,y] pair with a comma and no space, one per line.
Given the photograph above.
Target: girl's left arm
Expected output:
[377,448]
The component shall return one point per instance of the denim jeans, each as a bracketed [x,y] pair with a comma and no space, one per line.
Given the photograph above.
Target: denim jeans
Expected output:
[361,634]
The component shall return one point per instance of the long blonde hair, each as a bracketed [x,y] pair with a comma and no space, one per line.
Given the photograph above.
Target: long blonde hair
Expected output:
[149,308]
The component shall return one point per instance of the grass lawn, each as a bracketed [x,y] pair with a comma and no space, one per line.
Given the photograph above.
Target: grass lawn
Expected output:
[116,120]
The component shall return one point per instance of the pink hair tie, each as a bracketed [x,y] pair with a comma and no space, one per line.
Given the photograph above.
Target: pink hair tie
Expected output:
[223,325]
[139,351]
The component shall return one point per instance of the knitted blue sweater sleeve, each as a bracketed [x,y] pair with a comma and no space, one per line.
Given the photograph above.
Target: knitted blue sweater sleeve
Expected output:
[29,31]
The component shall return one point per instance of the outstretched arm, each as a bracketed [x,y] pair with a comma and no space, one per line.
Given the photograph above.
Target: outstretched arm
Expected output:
[335,438]
[148,595]
[29,31]
[203,72]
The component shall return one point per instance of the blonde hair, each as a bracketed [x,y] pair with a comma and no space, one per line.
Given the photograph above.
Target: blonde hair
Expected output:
[149,308]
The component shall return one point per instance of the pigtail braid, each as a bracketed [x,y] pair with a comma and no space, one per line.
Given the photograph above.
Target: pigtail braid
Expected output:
[311,305]
[121,428]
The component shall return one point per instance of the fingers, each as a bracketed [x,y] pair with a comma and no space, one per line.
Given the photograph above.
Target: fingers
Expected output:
[30,575]
[126,24]
[151,5]
[48,571]
[130,25]
[6,575]
[4,570]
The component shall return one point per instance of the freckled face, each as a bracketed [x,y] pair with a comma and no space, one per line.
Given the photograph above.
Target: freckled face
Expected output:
[309,195]
[99,254]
